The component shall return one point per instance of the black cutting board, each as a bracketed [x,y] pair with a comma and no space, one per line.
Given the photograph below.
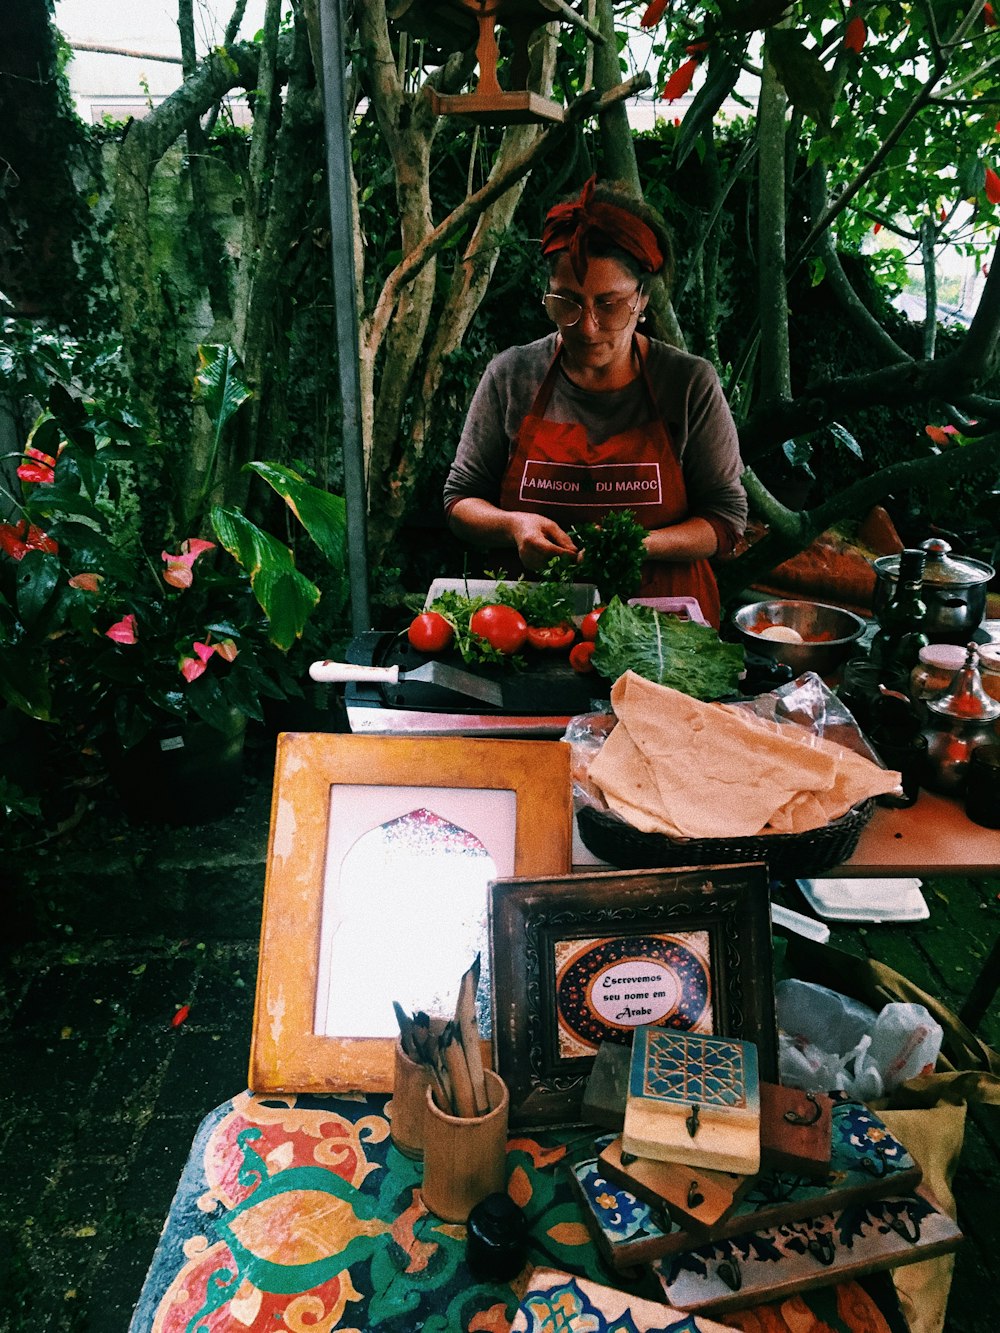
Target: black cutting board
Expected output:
[547,687]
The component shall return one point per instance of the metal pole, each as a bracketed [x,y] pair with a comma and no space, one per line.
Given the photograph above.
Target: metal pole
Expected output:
[338,175]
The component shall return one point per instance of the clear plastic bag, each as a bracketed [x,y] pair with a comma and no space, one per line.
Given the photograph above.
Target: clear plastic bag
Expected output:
[828,1041]
[809,702]
[585,734]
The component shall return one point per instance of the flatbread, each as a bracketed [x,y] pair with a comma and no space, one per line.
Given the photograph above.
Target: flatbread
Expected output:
[688,769]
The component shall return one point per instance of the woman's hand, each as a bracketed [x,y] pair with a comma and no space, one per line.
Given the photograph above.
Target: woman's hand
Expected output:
[539,539]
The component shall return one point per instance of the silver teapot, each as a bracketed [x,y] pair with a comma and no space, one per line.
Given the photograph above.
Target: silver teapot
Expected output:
[958,721]
[954,591]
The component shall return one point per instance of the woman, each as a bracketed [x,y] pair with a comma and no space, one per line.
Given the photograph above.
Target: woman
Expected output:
[597,417]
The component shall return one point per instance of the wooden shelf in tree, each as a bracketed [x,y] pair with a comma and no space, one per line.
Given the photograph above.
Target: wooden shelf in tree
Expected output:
[499,108]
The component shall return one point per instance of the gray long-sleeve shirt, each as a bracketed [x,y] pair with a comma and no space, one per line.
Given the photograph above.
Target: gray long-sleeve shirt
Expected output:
[688,395]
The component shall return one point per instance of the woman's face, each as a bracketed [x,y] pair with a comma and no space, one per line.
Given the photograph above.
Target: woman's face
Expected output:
[605,280]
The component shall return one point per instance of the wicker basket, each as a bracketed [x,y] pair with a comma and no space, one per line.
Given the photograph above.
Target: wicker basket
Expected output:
[788,855]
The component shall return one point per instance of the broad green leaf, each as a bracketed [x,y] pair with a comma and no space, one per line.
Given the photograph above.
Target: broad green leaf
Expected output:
[724,64]
[217,382]
[803,77]
[286,597]
[38,579]
[24,683]
[323,515]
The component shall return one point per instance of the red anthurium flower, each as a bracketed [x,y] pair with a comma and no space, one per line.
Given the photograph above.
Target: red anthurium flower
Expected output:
[180,1015]
[88,582]
[680,81]
[696,48]
[37,540]
[227,650]
[39,467]
[12,539]
[124,631]
[17,539]
[178,572]
[989,16]
[877,228]
[855,34]
[992,186]
[653,14]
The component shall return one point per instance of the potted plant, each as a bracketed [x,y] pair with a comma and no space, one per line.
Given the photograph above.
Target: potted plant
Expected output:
[153,655]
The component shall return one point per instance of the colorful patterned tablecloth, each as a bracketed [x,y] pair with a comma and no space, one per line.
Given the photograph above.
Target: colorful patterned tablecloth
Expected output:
[298,1213]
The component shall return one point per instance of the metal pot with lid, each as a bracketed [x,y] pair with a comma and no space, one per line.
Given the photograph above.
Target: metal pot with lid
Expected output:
[954,590]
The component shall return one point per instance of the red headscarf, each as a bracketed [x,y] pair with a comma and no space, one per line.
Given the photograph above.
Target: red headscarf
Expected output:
[567,227]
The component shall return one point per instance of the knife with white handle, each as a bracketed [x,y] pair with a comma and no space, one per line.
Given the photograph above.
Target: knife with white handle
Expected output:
[442,675]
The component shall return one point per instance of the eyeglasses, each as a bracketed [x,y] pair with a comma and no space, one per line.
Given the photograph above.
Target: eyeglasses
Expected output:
[610,313]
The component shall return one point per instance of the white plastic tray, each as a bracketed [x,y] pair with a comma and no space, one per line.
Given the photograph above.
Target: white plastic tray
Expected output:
[865,899]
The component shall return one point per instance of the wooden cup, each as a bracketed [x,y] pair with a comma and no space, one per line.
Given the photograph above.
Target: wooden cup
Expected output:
[465,1158]
[410,1084]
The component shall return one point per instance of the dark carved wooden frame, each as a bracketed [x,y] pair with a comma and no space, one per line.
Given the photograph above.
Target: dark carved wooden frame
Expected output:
[528,916]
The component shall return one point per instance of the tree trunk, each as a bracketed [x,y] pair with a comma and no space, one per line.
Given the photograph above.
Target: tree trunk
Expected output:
[618,153]
[772,300]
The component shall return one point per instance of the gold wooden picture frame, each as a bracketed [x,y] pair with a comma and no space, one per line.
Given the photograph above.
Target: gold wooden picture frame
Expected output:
[329,791]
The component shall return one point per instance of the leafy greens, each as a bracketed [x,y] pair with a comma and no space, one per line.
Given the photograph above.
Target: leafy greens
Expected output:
[679,653]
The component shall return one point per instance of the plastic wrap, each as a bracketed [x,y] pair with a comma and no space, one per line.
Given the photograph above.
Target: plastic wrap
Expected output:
[829,1042]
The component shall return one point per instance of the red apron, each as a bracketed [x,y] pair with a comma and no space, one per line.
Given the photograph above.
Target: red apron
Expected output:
[554,470]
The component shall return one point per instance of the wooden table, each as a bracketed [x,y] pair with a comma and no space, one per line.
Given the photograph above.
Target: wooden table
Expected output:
[932,837]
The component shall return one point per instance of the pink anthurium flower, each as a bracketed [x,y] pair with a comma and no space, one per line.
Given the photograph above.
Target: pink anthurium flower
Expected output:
[178,572]
[191,668]
[204,650]
[87,581]
[124,631]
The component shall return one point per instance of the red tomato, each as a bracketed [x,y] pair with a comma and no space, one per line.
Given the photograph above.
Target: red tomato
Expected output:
[502,627]
[589,627]
[580,655]
[430,632]
[551,637]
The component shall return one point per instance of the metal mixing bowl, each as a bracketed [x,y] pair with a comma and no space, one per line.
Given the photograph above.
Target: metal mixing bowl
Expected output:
[810,619]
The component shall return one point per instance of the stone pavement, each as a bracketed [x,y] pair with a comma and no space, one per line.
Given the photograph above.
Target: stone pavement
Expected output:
[102,1093]
[113,930]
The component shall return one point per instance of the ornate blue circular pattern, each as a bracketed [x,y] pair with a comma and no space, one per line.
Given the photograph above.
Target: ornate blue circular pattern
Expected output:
[573,987]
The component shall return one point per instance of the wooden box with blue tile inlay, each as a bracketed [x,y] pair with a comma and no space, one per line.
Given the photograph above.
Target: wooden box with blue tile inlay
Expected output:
[866,1162]
[693,1099]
